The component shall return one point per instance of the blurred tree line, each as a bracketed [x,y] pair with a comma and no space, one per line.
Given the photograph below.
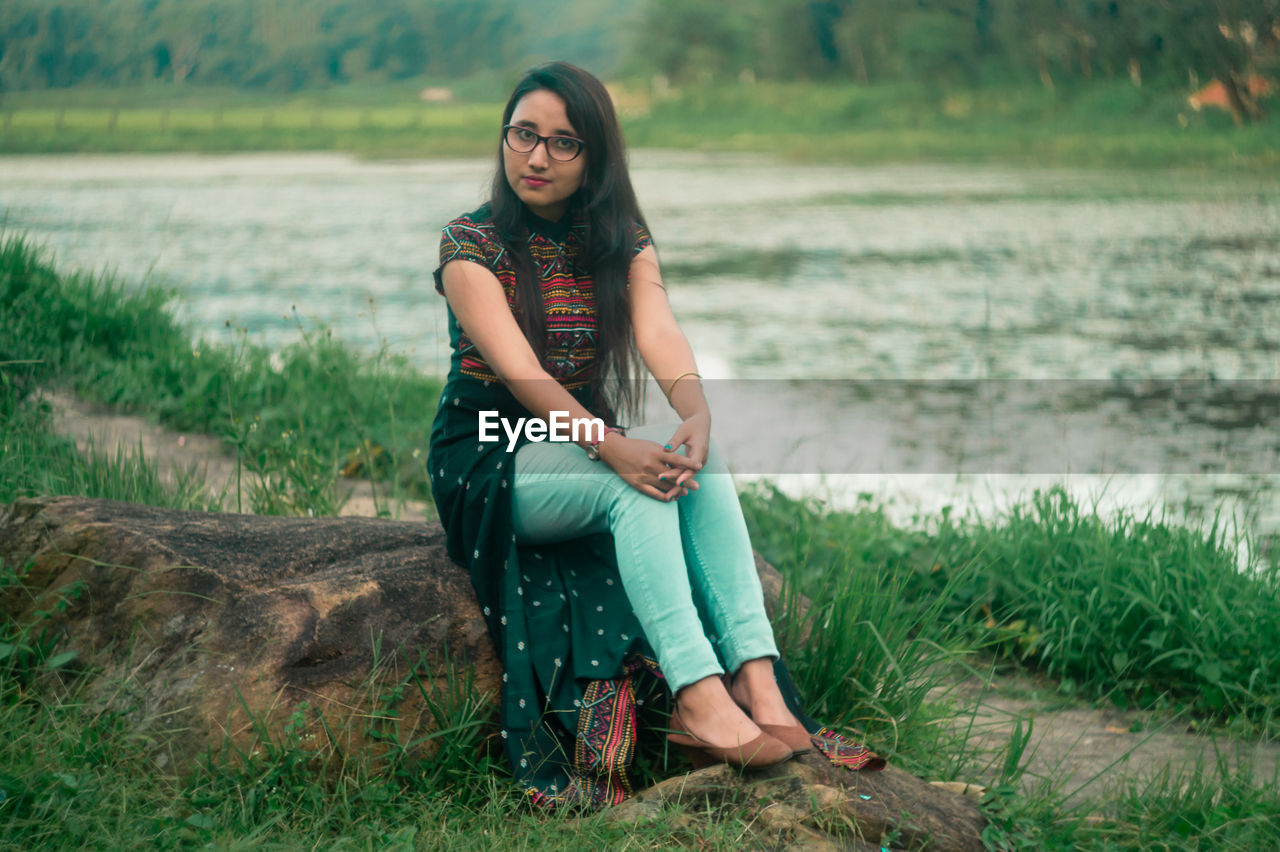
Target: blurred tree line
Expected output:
[945,43]
[291,45]
[297,44]
[966,42]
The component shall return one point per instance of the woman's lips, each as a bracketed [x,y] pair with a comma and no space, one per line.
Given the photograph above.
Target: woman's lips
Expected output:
[535,182]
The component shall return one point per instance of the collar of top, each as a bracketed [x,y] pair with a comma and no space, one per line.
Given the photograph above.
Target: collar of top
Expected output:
[556,231]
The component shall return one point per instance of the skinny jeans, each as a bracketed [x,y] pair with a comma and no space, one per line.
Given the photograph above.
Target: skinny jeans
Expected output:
[675,557]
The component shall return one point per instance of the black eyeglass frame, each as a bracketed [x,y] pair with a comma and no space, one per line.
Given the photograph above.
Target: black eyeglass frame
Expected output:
[540,140]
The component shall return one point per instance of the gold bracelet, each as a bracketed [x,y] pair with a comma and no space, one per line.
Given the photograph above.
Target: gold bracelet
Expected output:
[672,386]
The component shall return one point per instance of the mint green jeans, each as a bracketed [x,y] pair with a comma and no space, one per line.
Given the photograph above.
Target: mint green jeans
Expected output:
[668,552]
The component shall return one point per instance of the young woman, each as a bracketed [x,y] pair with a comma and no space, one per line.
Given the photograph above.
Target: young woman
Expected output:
[620,556]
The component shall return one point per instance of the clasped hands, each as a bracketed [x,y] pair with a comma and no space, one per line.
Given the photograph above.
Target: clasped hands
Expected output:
[659,471]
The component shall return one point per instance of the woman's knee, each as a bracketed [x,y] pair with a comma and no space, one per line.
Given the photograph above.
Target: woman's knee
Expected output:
[553,507]
[631,505]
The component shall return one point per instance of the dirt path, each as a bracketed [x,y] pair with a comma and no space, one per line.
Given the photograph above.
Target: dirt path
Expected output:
[1087,749]
[174,452]
[1083,747]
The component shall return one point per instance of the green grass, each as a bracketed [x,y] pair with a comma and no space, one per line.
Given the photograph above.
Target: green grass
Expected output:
[1213,806]
[1206,807]
[1101,124]
[73,774]
[405,130]
[34,461]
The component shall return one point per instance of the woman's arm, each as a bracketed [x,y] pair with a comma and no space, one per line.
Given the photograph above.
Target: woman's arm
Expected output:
[481,308]
[668,356]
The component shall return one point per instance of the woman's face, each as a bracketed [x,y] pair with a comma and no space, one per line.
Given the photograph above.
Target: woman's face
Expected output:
[542,183]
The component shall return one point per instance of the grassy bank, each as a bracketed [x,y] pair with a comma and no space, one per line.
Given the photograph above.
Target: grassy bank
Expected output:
[1133,610]
[892,611]
[296,419]
[1104,124]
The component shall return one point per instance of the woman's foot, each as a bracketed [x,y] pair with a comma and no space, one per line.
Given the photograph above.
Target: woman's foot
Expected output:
[755,690]
[709,714]
[713,729]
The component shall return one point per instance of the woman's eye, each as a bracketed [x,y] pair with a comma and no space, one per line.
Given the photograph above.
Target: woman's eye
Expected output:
[525,135]
[564,143]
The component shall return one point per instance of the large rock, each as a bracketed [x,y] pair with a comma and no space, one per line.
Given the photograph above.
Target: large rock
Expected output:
[201,619]
[204,625]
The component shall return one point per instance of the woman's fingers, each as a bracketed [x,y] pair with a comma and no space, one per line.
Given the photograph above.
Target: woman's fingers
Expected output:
[673,479]
[676,483]
[685,478]
[689,485]
[682,438]
[673,491]
[696,453]
[655,470]
[674,459]
[680,466]
[650,491]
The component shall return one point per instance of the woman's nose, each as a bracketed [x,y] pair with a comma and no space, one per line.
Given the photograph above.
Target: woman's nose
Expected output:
[538,156]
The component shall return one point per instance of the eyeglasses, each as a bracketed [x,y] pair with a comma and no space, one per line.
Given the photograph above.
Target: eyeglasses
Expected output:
[522,140]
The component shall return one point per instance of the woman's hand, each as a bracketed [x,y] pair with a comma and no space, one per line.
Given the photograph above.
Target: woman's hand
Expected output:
[694,434]
[649,467]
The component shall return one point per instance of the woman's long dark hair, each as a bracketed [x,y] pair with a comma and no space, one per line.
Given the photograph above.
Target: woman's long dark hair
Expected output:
[611,214]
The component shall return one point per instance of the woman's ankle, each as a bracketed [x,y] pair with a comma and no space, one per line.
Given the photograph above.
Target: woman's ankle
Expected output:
[753,680]
[711,713]
[755,689]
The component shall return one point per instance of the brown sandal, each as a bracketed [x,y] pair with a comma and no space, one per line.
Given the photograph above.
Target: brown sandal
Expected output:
[796,737]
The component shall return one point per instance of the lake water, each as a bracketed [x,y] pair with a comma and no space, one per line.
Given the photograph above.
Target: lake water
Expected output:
[929,334]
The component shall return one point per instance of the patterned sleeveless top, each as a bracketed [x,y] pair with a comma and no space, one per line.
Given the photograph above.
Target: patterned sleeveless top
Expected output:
[558,253]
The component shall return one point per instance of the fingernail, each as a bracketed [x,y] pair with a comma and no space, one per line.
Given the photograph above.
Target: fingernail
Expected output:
[666,446]
[662,477]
